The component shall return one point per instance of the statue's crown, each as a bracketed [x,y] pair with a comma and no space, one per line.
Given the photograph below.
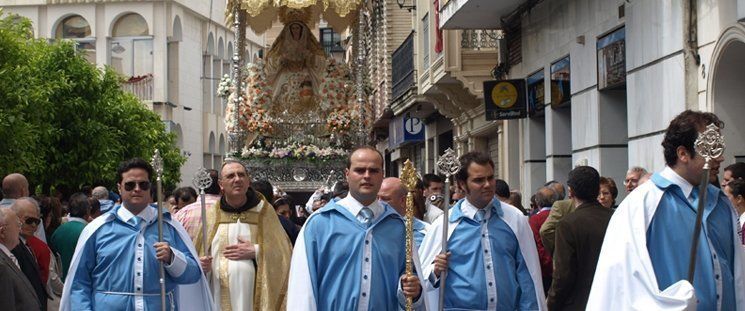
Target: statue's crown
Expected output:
[290,15]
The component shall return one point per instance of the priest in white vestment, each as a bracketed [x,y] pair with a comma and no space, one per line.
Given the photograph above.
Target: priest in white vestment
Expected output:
[249,253]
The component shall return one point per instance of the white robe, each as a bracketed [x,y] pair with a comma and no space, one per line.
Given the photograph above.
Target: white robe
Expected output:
[624,277]
[242,273]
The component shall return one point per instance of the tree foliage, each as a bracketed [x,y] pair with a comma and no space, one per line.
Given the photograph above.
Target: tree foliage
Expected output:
[65,122]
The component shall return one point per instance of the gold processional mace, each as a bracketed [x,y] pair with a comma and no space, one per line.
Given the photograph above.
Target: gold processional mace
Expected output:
[409,178]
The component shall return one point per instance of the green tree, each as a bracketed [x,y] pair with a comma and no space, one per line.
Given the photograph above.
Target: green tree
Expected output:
[66,122]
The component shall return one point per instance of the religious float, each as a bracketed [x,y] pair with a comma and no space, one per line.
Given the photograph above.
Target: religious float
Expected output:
[297,112]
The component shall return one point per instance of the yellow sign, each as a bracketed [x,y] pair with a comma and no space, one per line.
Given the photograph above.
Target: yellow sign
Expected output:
[504,95]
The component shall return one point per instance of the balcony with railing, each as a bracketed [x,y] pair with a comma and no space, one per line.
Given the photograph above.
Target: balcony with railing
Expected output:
[141,87]
[403,75]
[479,39]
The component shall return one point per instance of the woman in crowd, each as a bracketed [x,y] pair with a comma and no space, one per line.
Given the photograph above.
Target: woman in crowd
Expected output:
[608,192]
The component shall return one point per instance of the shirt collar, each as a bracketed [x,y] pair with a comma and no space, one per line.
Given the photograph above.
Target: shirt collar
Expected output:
[742,219]
[469,210]
[148,213]
[354,206]
[669,174]
[6,250]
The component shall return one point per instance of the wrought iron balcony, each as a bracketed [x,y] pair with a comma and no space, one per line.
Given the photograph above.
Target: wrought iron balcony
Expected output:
[141,87]
[479,39]
[403,67]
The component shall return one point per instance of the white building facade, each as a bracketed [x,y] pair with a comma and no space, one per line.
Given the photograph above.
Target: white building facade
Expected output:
[630,66]
[173,54]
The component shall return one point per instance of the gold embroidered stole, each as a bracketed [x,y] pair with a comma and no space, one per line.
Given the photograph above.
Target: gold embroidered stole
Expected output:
[273,262]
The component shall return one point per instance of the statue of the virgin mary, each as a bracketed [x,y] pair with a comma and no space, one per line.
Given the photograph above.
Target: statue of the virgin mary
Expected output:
[295,68]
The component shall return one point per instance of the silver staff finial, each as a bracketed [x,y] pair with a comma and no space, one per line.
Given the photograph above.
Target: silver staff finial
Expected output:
[448,163]
[202,179]
[710,144]
[157,163]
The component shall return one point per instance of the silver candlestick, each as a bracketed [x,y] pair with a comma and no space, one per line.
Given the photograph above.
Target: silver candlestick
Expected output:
[201,181]
[710,145]
[447,164]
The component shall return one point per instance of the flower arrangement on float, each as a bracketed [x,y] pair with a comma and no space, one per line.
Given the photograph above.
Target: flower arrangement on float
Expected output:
[294,151]
[341,120]
[253,116]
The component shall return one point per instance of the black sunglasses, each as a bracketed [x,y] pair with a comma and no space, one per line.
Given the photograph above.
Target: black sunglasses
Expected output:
[130,185]
[31,221]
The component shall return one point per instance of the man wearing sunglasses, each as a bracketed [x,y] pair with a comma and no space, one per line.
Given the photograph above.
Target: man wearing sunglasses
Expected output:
[115,265]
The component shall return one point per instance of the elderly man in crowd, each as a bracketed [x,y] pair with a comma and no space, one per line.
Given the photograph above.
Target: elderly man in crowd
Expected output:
[17,292]
[101,194]
[633,177]
[393,192]
[544,199]
[14,186]
[33,254]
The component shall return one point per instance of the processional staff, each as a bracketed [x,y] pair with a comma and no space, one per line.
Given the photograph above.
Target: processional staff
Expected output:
[447,164]
[201,181]
[409,178]
[710,145]
[157,163]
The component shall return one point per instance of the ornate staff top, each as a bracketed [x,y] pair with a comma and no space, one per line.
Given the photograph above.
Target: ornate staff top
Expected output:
[710,144]
[408,176]
[157,163]
[202,179]
[448,163]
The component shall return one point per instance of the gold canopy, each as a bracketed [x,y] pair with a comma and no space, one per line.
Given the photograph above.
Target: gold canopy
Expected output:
[262,13]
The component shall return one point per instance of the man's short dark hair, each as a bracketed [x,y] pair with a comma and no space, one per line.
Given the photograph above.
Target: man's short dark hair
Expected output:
[264,187]
[502,188]
[430,178]
[737,169]
[585,183]
[737,187]
[467,159]
[348,162]
[133,163]
[78,205]
[683,131]
[185,194]
[214,188]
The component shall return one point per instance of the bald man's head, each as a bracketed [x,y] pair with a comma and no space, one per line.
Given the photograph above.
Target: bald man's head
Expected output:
[393,192]
[15,186]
